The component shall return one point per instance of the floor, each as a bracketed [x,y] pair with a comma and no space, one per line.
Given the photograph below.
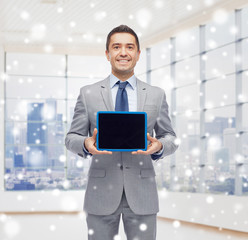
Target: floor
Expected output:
[73,227]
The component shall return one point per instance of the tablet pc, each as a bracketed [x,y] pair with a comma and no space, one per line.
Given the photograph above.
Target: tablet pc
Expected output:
[121,131]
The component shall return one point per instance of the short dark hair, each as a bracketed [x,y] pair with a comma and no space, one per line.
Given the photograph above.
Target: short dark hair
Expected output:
[122,29]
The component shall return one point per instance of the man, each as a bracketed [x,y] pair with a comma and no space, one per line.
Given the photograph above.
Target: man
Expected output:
[121,183]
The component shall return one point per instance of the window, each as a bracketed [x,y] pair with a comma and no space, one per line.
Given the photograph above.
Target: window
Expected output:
[221,31]
[160,54]
[210,107]
[245,56]
[244,18]
[187,71]
[225,94]
[40,101]
[220,61]
[161,78]
[187,44]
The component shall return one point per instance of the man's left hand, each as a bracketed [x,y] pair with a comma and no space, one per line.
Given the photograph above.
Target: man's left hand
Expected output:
[154,146]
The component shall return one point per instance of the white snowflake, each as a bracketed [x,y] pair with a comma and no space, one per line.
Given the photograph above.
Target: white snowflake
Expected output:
[38,31]
[79,163]
[208,3]
[117,237]
[158,3]
[52,228]
[143,227]
[220,16]
[144,17]
[188,172]
[91,232]
[176,224]
[69,203]
[209,199]
[11,228]
[213,29]
[56,192]
[62,158]
[19,197]
[99,16]
[48,48]
[66,184]
[214,143]
[189,7]
[24,15]
[60,9]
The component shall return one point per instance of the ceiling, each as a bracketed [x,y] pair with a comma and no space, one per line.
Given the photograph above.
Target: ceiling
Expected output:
[82,25]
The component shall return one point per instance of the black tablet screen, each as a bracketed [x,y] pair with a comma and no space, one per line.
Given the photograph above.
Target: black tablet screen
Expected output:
[121,131]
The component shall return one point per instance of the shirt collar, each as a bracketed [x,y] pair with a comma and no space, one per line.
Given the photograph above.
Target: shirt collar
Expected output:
[131,81]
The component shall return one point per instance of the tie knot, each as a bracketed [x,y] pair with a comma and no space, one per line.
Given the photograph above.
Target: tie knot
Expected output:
[122,85]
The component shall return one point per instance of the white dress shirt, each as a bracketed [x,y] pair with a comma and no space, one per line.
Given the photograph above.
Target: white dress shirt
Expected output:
[131,89]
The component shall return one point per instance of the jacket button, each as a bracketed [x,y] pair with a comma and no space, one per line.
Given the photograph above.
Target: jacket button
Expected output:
[121,167]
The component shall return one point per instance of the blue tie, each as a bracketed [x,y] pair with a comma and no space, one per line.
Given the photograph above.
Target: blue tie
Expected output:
[121,102]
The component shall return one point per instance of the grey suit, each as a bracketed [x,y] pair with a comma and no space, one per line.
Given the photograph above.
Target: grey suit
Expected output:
[109,174]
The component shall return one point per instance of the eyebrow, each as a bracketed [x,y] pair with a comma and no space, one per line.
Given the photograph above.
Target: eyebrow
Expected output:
[114,44]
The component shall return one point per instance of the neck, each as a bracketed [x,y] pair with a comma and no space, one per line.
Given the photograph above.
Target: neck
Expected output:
[123,76]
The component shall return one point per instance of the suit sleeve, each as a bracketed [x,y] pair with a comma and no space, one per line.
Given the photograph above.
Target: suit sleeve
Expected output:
[163,129]
[79,127]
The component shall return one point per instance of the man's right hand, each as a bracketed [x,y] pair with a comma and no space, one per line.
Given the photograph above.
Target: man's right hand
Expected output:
[90,145]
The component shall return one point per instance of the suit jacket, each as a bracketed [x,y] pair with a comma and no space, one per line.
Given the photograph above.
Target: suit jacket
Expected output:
[109,174]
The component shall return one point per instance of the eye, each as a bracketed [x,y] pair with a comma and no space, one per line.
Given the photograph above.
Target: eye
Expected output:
[116,47]
[130,47]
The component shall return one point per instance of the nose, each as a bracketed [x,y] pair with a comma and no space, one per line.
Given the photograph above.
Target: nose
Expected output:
[123,51]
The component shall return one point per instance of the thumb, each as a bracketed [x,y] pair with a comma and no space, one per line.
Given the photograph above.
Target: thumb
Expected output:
[94,133]
[149,137]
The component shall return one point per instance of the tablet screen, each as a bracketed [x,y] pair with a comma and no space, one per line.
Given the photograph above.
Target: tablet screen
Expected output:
[121,131]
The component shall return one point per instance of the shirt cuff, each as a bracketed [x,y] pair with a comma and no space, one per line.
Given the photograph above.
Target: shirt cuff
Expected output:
[86,151]
[157,155]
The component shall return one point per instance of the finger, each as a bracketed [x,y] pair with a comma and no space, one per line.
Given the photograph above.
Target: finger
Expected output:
[94,151]
[149,138]
[150,150]
[136,152]
[101,152]
[105,152]
[94,133]
[141,152]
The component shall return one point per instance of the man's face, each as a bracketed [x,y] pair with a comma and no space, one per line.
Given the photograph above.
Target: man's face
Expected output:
[123,54]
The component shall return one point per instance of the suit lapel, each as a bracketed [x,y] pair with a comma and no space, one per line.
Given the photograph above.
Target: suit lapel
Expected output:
[141,95]
[106,94]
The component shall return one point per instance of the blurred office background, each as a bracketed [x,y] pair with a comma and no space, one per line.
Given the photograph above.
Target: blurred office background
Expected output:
[197,51]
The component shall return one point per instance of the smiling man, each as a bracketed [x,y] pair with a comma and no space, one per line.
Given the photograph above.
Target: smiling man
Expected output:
[121,183]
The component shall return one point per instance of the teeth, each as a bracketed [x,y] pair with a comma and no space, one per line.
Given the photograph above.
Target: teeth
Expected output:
[123,60]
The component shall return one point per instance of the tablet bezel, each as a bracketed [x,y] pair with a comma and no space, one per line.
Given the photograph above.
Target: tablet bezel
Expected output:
[121,150]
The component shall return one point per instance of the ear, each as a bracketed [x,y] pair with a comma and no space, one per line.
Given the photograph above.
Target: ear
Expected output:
[107,55]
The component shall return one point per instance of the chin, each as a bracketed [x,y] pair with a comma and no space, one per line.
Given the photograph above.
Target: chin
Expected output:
[121,70]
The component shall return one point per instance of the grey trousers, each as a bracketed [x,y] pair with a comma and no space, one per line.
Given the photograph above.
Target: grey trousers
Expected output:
[136,227]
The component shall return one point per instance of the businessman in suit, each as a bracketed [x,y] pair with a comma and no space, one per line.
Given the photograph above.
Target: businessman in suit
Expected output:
[121,183]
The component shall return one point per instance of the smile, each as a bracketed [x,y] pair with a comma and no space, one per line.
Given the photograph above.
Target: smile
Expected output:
[123,61]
